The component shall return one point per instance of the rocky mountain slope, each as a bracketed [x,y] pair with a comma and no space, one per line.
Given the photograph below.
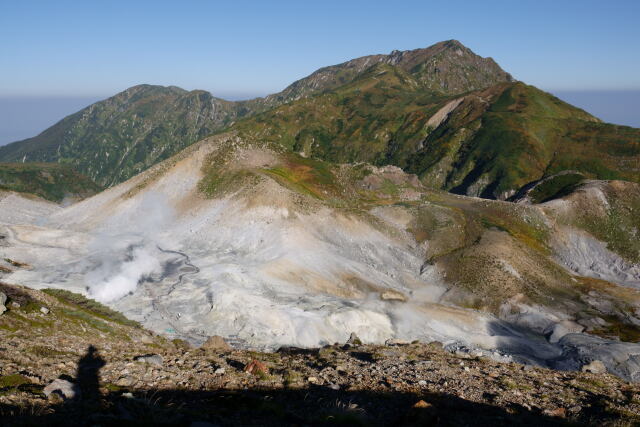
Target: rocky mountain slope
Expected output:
[50,181]
[488,143]
[81,361]
[447,68]
[455,119]
[268,248]
[115,139]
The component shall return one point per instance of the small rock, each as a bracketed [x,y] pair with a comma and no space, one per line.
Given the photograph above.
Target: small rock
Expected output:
[219,371]
[3,299]
[151,359]
[142,338]
[421,404]
[354,340]
[312,380]
[256,367]
[216,344]
[392,296]
[341,369]
[395,341]
[65,389]
[15,304]
[422,383]
[125,381]
[334,387]
[44,310]
[563,328]
[595,367]
[557,412]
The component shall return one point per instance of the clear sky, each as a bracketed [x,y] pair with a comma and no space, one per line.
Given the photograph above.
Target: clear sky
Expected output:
[242,48]
[59,56]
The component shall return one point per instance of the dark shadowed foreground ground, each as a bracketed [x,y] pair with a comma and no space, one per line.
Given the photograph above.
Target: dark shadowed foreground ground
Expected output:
[97,354]
[261,403]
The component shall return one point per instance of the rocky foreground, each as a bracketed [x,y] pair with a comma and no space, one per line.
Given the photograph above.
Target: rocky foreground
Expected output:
[64,358]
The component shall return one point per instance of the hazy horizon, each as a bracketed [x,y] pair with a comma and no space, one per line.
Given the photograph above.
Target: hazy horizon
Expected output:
[70,54]
[23,117]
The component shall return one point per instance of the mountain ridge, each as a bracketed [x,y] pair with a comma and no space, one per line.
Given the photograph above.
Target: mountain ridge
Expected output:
[456,119]
[116,138]
[412,61]
[487,143]
[103,142]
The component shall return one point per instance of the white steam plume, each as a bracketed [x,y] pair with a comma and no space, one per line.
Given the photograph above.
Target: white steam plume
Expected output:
[127,250]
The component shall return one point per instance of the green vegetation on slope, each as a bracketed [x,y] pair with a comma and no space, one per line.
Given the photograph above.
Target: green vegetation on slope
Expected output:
[492,142]
[47,180]
[307,176]
[117,138]
[90,306]
[455,119]
[527,134]
[366,120]
[446,67]
[555,186]
[616,221]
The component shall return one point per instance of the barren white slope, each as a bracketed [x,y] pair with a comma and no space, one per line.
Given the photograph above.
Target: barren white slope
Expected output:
[246,267]
[582,253]
[253,267]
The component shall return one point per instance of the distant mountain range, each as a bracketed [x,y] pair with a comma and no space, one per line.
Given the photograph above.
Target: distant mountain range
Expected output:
[455,119]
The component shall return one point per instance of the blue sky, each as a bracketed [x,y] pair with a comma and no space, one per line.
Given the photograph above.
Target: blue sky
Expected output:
[57,57]
[244,48]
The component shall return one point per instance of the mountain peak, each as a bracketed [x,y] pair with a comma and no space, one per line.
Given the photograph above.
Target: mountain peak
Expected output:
[447,67]
[453,43]
[149,88]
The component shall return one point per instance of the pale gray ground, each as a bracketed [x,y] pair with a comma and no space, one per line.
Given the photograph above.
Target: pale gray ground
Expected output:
[265,275]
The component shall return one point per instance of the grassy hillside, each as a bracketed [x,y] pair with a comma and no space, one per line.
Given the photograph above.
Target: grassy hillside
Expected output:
[446,67]
[117,138]
[524,134]
[361,121]
[455,119]
[487,143]
[47,180]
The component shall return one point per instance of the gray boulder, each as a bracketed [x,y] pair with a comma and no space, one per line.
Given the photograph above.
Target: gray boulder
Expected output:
[354,339]
[3,299]
[595,367]
[562,328]
[65,389]
[150,359]
[216,344]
